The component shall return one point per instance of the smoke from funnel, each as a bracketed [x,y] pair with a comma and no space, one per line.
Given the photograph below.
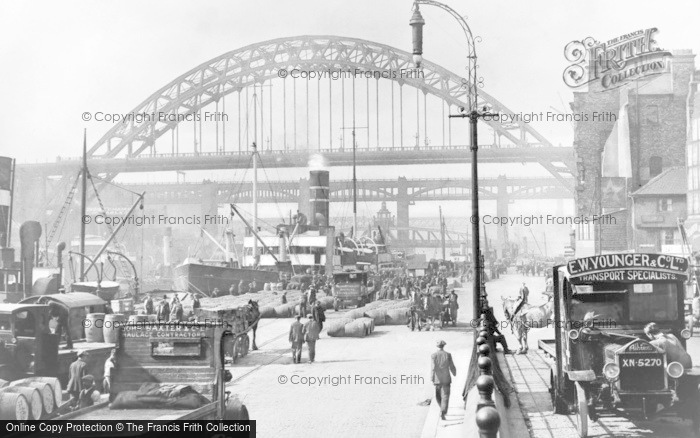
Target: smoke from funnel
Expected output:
[318,162]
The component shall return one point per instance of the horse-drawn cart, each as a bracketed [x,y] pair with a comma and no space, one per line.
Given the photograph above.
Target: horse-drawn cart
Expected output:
[237,320]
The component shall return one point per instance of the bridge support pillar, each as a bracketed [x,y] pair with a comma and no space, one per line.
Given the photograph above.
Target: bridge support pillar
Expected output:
[303,200]
[502,211]
[402,204]
[210,208]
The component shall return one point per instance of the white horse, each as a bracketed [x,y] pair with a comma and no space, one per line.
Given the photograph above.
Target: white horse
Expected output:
[531,317]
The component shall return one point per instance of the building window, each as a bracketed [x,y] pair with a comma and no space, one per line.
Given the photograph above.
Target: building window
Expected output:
[666,204]
[669,236]
[656,165]
[651,115]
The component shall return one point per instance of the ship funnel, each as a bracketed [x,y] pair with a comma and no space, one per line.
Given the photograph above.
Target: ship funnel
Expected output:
[319,197]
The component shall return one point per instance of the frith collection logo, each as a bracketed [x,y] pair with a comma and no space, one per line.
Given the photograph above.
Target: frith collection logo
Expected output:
[616,62]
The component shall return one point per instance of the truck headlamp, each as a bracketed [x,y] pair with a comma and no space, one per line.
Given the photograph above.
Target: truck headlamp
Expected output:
[573,334]
[611,371]
[685,334]
[675,370]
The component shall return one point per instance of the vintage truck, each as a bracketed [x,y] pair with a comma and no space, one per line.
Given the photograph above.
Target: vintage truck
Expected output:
[603,361]
[350,287]
[170,354]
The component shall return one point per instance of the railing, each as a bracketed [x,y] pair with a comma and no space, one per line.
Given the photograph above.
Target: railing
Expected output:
[487,418]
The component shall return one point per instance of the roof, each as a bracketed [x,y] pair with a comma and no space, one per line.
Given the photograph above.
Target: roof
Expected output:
[672,181]
[70,300]
[9,308]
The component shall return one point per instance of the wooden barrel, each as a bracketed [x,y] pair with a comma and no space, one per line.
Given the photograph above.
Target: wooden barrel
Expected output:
[284,310]
[267,287]
[267,312]
[378,315]
[13,406]
[55,385]
[94,331]
[355,313]
[396,316]
[355,329]
[235,410]
[112,325]
[47,396]
[279,287]
[36,406]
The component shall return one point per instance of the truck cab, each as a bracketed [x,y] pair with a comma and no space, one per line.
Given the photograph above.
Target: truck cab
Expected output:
[26,345]
[603,358]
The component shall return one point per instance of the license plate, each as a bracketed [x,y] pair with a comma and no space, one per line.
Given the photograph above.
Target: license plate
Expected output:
[640,362]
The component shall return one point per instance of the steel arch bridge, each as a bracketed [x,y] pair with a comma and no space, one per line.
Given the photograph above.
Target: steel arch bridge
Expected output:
[254,64]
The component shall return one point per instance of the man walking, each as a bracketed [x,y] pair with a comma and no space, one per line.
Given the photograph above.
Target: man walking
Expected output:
[163,309]
[110,364]
[440,368]
[302,304]
[296,338]
[312,329]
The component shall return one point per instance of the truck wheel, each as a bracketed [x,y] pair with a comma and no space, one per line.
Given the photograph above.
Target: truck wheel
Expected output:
[581,411]
[235,410]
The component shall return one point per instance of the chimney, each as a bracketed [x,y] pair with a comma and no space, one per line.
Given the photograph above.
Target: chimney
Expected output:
[319,197]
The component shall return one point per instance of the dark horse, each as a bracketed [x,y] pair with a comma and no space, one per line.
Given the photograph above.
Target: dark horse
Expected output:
[252,318]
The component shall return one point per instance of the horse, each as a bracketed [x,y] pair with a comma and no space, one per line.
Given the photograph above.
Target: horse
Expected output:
[531,317]
[509,305]
[433,308]
[252,318]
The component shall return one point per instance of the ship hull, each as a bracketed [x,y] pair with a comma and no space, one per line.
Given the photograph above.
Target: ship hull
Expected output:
[193,277]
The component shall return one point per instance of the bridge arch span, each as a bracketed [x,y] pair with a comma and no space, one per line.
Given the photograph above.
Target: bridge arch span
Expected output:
[254,64]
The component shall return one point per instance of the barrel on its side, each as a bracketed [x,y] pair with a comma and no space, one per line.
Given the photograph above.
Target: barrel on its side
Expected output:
[53,382]
[46,390]
[112,325]
[93,327]
[13,406]
[36,406]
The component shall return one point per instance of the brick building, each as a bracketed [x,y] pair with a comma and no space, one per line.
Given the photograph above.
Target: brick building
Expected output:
[693,164]
[656,209]
[657,117]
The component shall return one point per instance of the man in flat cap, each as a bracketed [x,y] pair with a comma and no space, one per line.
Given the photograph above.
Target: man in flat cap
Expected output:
[76,372]
[440,369]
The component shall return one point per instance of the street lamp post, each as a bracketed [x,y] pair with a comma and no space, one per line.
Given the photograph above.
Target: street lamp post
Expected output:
[417,22]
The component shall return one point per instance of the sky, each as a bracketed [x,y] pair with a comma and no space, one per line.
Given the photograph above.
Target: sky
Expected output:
[60,59]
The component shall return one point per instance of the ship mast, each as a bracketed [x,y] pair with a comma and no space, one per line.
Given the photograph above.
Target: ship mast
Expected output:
[255,176]
[83,207]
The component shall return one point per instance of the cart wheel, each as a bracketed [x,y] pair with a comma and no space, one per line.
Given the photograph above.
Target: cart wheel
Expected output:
[245,345]
[236,350]
[581,411]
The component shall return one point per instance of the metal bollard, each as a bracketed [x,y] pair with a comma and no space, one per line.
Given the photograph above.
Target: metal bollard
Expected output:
[488,421]
[485,385]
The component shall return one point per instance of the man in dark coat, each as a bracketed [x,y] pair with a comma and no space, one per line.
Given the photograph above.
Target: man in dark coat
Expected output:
[312,330]
[76,372]
[61,315]
[148,304]
[296,338]
[440,368]
[318,313]
[163,309]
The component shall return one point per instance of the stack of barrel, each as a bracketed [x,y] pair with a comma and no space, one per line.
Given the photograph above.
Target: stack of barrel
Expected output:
[104,328]
[32,398]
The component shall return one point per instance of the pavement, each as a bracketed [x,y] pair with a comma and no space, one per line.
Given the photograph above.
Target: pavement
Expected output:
[530,376]
[374,386]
